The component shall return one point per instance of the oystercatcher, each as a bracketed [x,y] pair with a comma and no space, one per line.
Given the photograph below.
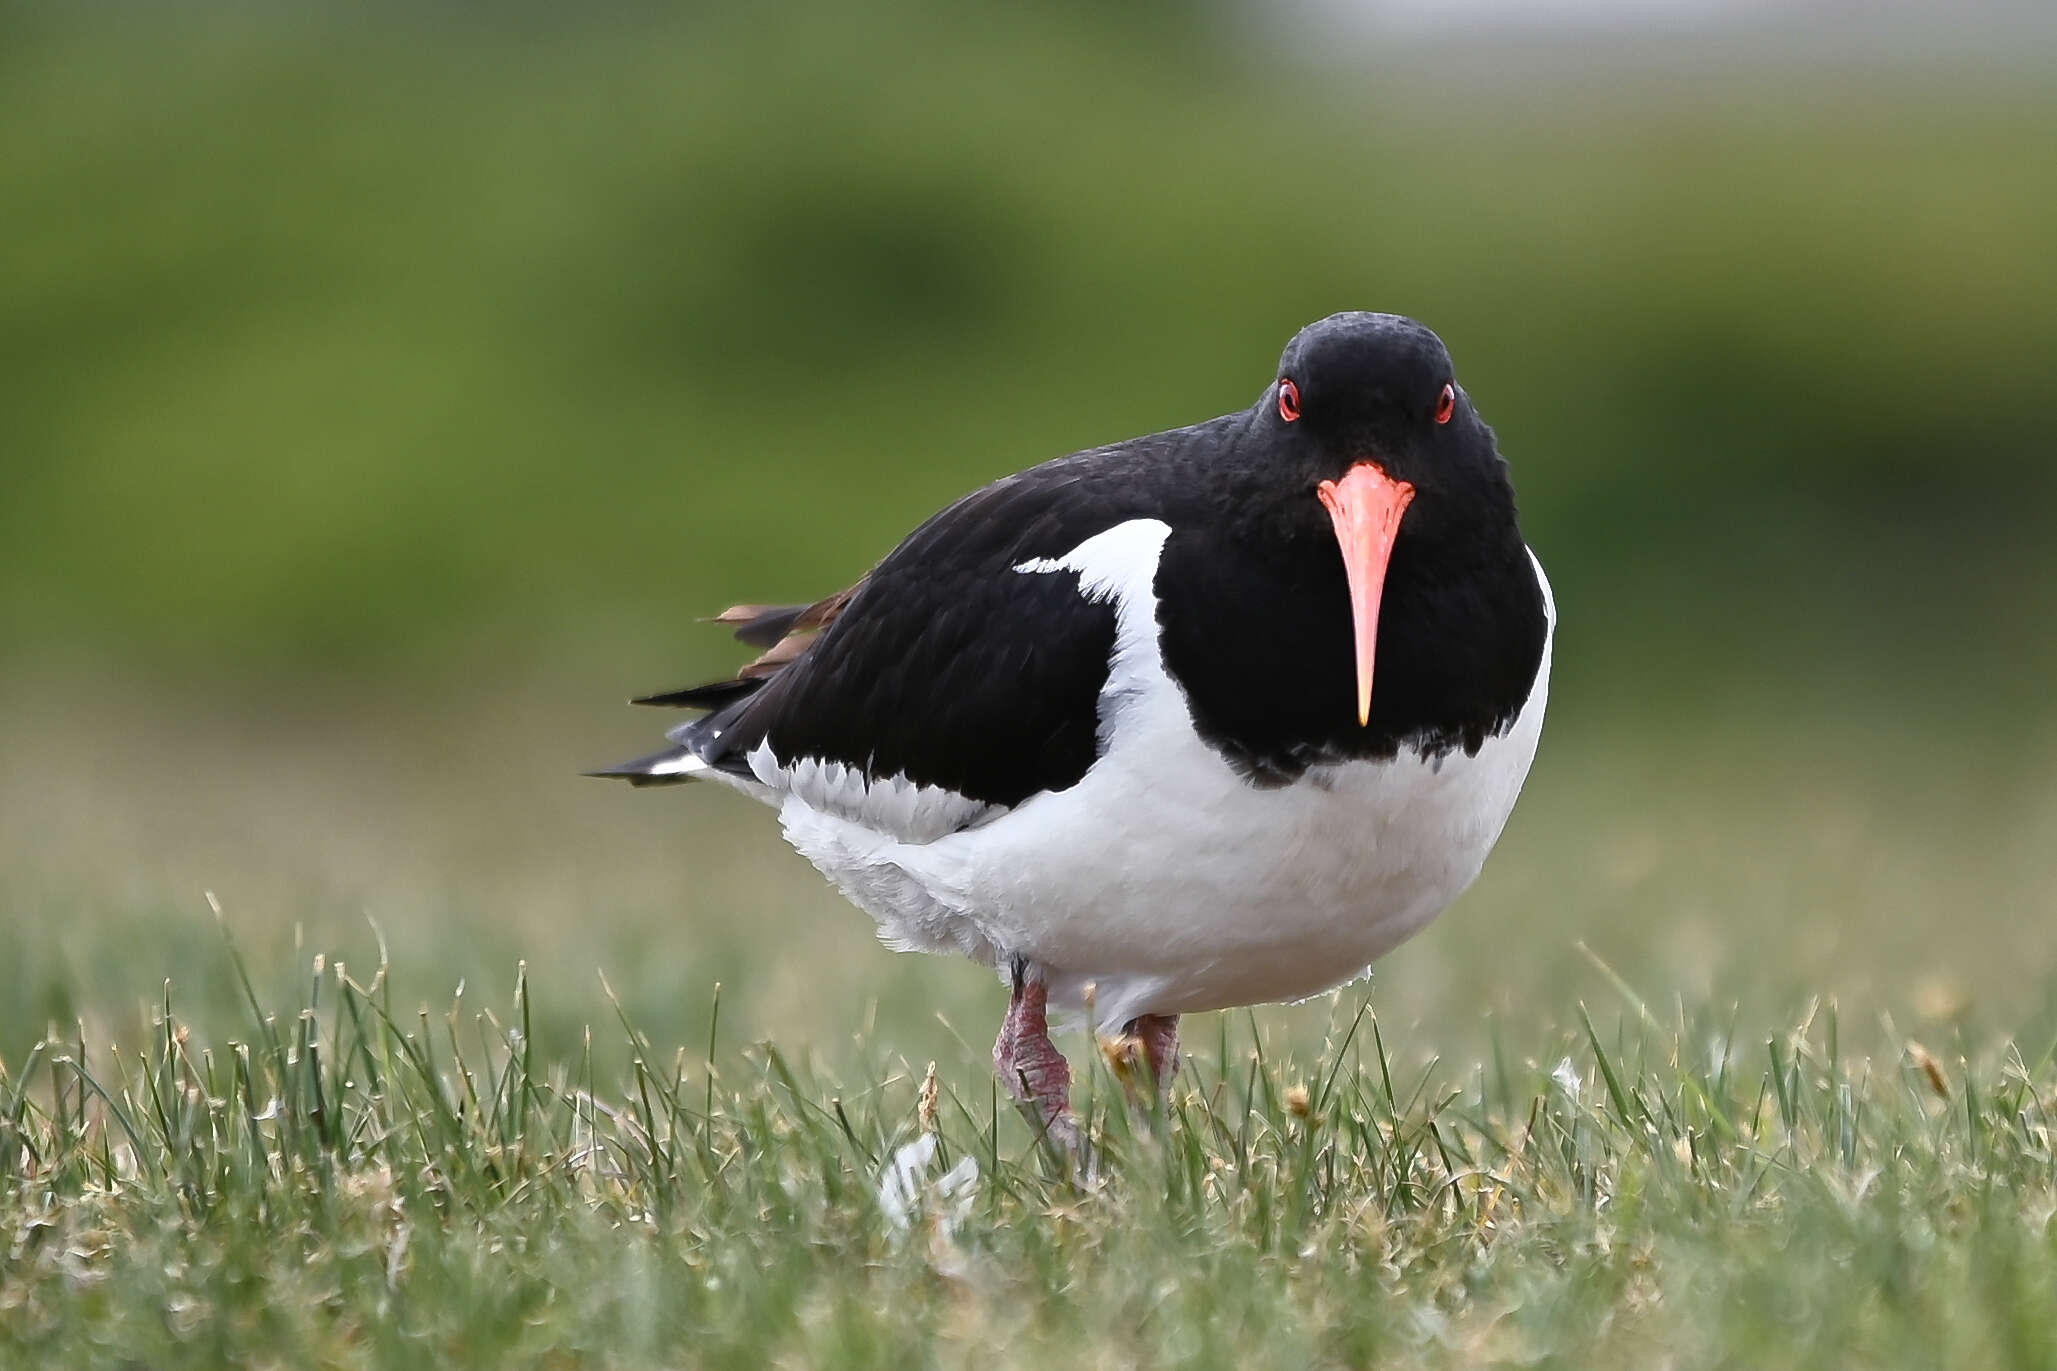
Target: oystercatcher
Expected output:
[1207,718]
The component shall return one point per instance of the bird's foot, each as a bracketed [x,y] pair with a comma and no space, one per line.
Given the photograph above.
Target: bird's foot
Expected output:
[1030,1067]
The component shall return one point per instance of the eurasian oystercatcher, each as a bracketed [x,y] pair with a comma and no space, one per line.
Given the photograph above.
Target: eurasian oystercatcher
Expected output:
[1207,718]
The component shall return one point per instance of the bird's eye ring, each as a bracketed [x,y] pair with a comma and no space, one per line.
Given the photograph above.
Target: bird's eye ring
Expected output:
[1288,401]
[1446,403]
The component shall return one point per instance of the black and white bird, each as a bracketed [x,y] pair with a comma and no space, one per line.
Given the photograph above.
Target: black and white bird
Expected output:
[1208,718]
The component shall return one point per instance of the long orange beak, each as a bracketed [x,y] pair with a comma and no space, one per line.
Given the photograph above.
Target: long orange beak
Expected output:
[1365,506]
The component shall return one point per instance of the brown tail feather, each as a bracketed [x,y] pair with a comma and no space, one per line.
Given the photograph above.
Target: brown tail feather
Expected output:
[767,626]
[782,631]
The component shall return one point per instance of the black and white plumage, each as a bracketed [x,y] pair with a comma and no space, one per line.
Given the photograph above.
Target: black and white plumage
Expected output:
[1206,718]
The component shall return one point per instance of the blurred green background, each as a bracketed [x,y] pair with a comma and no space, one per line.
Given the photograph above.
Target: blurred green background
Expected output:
[384,392]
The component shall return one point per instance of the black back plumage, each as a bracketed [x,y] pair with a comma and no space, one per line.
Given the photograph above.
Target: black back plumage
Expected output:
[951,668]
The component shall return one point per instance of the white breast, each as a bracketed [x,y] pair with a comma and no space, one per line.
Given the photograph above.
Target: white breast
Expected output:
[1162,879]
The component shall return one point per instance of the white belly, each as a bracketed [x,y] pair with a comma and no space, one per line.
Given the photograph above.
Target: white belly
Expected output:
[1162,880]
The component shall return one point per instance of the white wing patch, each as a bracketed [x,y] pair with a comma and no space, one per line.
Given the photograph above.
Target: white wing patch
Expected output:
[1120,564]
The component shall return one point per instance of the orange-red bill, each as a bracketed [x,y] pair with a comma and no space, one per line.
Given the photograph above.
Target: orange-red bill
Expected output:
[1365,507]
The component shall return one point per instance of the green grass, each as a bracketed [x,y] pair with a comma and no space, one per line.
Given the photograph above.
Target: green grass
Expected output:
[349,1183]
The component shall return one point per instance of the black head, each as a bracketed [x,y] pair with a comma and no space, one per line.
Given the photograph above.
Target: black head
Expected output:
[1367,437]
[1380,388]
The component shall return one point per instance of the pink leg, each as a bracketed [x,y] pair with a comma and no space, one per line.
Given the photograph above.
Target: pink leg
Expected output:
[1029,1064]
[1144,1055]
[1158,1033]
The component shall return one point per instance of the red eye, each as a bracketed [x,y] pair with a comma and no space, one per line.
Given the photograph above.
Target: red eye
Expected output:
[1446,404]
[1288,401]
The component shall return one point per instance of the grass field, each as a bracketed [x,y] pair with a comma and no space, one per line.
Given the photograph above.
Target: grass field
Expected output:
[1823,1141]
[346,1183]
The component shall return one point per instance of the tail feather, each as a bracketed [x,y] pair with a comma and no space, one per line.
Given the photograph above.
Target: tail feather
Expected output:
[719,741]
[670,767]
[761,626]
[713,695]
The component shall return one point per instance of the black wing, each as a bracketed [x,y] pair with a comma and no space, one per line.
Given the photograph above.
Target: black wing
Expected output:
[945,664]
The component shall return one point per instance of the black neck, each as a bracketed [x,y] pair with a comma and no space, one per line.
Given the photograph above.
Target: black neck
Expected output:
[1256,627]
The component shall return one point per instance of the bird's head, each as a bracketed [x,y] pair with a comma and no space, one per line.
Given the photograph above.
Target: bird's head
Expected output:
[1368,419]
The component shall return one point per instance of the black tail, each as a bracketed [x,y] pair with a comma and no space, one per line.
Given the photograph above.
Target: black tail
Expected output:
[720,740]
[713,695]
